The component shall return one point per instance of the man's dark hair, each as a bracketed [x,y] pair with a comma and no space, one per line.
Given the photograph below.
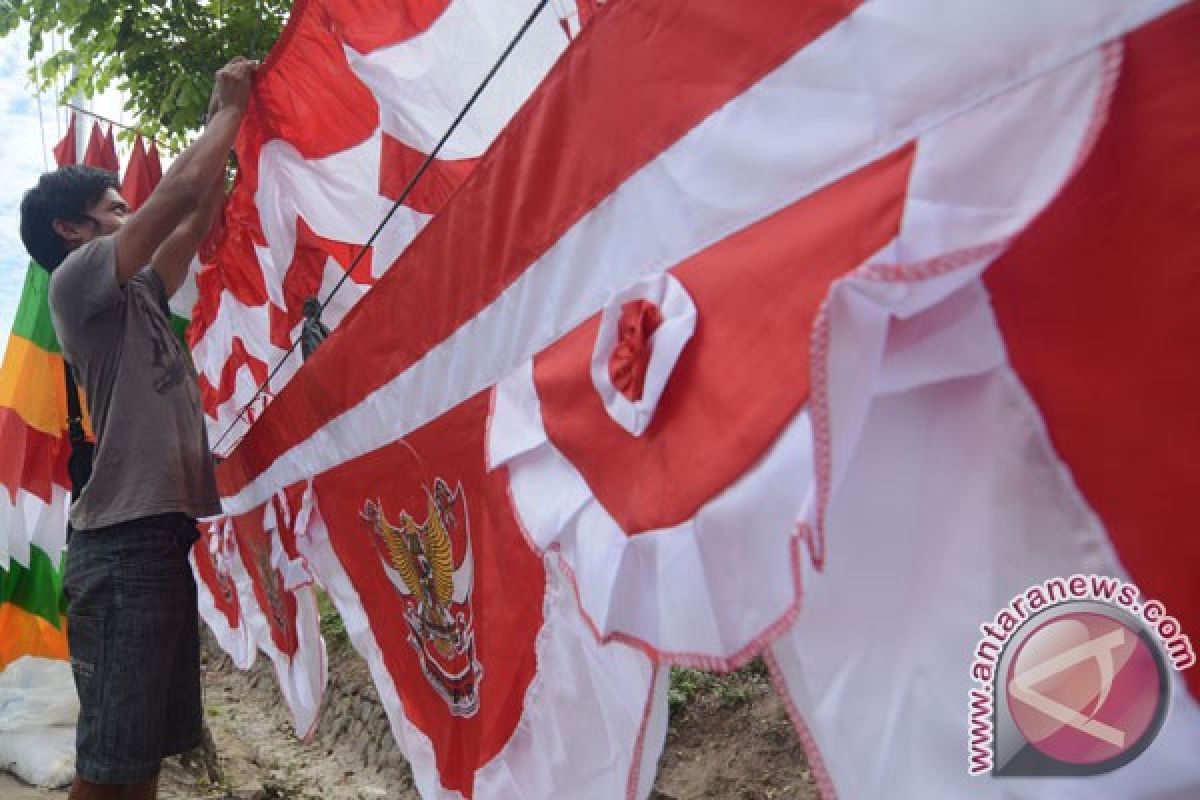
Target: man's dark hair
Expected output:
[66,194]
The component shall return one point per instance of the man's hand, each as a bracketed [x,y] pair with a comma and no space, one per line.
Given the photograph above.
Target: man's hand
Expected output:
[196,173]
[232,86]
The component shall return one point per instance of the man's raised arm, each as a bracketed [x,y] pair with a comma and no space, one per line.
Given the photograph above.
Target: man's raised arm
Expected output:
[188,183]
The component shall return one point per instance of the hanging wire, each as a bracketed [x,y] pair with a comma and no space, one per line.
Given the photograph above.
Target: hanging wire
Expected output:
[122,126]
[429,159]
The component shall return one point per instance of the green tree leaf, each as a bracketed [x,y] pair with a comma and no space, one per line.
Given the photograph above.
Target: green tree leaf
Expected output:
[162,55]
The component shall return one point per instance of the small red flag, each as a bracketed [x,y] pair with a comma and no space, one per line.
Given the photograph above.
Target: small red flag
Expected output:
[64,151]
[141,175]
[101,151]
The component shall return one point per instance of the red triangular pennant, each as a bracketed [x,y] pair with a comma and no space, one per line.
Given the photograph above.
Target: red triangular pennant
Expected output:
[100,150]
[64,151]
[141,175]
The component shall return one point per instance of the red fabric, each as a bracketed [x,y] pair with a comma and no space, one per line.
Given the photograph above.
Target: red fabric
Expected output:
[399,162]
[153,162]
[627,365]
[587,9]
[305,92]
[513,207]
[29,459]
[65,152]
[110,150]
[220,586]
[277,603]
[745,373]
[1099,303]
[207,250]
[213,396]
[100,150]
[142,174]
[303,277]
[233,268]
[508,587]
[368,25]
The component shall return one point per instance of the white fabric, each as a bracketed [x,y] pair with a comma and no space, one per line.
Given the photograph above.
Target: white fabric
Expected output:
[681,593]
[944,496]
[210,352]
[594,717]
[667,343]
[584,730]
[338,196]
[36,692]
[420,84]
[30,521]
[237,642]
[968,506]
[183,302]
[891,72]
[302,677]
[233,318]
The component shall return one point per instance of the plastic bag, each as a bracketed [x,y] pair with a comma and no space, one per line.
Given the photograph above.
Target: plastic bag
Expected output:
[38,709]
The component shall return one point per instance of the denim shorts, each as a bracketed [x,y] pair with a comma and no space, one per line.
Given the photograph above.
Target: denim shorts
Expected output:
[133,635]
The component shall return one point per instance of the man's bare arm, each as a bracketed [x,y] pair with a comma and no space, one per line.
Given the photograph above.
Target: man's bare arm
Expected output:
[189,179]
[173,258]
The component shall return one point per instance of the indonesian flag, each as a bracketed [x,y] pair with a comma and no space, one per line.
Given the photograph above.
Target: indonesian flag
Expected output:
[345,109]
[278,601]
[775,332]
[493,686]
[256,592]
[1004,395]
[216,565]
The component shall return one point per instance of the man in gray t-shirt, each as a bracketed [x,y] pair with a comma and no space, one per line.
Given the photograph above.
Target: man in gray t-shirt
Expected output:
[152,452]
[131,616]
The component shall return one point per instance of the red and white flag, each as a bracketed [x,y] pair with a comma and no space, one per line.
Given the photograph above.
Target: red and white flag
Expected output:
[278,599]
[1001,398]
[344,111]
[692,316]
[493,686]
[215,565]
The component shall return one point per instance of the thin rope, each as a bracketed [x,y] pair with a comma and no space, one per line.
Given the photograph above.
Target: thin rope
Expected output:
[121,125]
[429,159]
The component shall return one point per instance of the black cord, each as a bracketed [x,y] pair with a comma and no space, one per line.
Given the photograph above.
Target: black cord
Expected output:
[429,159]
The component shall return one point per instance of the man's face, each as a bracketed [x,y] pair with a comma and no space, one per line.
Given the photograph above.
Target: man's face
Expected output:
[106,216]
[109,213]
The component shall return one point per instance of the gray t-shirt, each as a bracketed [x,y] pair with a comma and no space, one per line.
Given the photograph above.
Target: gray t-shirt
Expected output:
[151,447]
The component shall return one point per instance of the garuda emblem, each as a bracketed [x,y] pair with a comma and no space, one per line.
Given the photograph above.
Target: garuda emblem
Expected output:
[435,589]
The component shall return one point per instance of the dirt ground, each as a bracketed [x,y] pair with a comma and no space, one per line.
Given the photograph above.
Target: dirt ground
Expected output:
[729,738]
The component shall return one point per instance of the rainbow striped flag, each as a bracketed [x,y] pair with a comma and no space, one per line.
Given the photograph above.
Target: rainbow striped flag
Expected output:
[34,487]
[34,444]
